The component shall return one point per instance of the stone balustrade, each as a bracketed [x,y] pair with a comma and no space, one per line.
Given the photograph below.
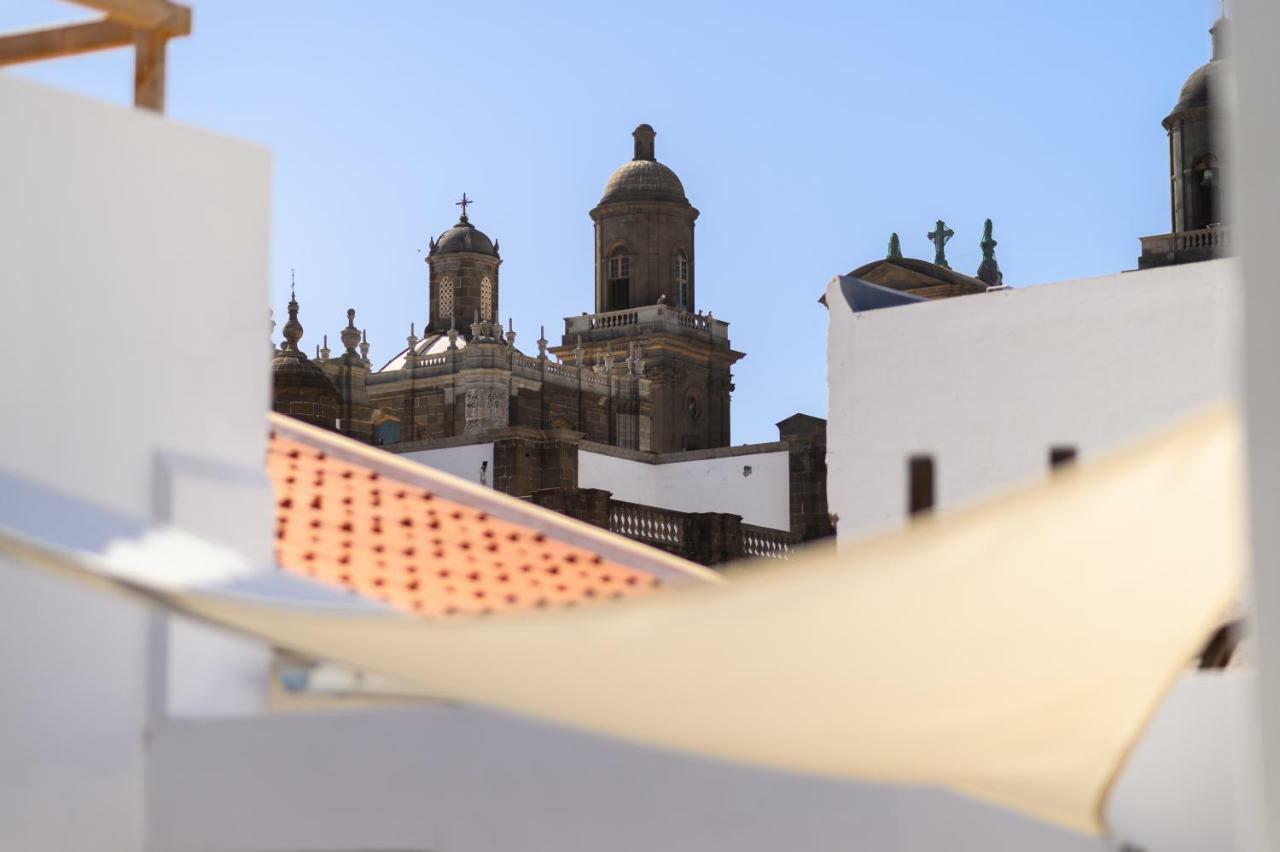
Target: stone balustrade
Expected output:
[1185,246]
[708,538]
[655,317]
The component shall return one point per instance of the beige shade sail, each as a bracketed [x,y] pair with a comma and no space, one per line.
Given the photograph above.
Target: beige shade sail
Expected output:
[1012,651]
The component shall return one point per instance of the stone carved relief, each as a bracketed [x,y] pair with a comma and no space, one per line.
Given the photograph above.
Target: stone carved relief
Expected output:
[485,408]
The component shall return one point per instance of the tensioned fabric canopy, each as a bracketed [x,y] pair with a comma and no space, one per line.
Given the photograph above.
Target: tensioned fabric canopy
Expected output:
[1012,651]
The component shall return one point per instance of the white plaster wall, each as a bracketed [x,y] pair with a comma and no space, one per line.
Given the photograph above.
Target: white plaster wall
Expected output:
[705,485]
[988,383]
[464,461]
[133,262]
[446,777]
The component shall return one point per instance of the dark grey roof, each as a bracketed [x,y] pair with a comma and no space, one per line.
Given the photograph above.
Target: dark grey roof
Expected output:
[865,296]
[464,236]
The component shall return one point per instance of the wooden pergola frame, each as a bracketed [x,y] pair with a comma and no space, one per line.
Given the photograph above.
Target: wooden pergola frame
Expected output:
[146,25]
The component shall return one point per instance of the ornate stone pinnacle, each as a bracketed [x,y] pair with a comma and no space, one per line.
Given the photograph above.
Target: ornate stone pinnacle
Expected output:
[292,328]
[989,270]
[350,335]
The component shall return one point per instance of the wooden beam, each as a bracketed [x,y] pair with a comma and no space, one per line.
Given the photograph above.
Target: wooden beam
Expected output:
[63,41]
[148,69]
[145,14]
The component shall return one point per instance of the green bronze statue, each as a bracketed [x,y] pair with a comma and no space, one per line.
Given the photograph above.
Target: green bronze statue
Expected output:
[939,236]
[895,250]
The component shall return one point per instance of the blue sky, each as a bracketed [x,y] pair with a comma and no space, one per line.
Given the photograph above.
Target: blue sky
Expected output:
[804,132]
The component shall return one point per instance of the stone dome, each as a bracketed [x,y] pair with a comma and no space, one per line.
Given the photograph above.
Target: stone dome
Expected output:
[644,178]
[1200,88]
[464,236]
[293,371]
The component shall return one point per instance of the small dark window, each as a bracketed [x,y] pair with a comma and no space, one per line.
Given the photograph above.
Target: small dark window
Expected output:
[682,280]
[1207,180]
[1061,455]
[919,484]
[619,288]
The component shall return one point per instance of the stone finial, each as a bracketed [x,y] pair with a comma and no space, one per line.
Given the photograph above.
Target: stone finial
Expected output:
[511,333]
[577,352]
[989,270]
[939,236]
[271,335]
[411,356]
[1220,32]
[542,343]
[895,248]
[292,328]
[644,135]
[324,350]
[364,344]
[350,335]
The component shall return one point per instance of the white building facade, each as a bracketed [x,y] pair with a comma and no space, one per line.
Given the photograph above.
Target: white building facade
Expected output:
[986,389]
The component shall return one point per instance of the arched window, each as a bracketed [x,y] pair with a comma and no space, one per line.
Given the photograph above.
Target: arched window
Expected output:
[486,300]
[386,432]
[619,292]
[1207,180]
[682,279]
[445,298]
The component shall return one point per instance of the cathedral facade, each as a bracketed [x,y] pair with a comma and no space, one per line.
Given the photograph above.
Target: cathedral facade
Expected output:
[647,372]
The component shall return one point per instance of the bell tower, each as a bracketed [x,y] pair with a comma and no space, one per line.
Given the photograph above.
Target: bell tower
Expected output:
[645,298]
[463,277]
[644,234]
[1197,224]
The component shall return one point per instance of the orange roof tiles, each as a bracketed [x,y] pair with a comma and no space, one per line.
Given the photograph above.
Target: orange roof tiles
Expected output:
[389,540]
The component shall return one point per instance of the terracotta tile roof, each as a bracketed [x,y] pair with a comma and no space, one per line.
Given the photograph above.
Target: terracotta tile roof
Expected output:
[390,539]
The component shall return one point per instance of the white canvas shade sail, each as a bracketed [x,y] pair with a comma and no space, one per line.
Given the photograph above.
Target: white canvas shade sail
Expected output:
[1012,651]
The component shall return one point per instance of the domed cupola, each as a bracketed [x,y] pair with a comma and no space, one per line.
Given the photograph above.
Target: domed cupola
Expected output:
[1193,146]
[463,278]
[463,237]
[643,178]
[299,387]
[644,234]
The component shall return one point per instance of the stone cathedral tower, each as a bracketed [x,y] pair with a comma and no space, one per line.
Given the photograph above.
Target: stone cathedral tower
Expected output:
[1198,230]
[645,298]
[463,278]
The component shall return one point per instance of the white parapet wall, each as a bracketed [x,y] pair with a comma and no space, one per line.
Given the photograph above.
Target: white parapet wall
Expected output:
[987,384]
[753,482]
[472,462]
[133,262]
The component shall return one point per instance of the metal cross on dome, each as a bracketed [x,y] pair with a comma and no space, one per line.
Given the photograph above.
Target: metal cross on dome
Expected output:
[463,204]
[939,236]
